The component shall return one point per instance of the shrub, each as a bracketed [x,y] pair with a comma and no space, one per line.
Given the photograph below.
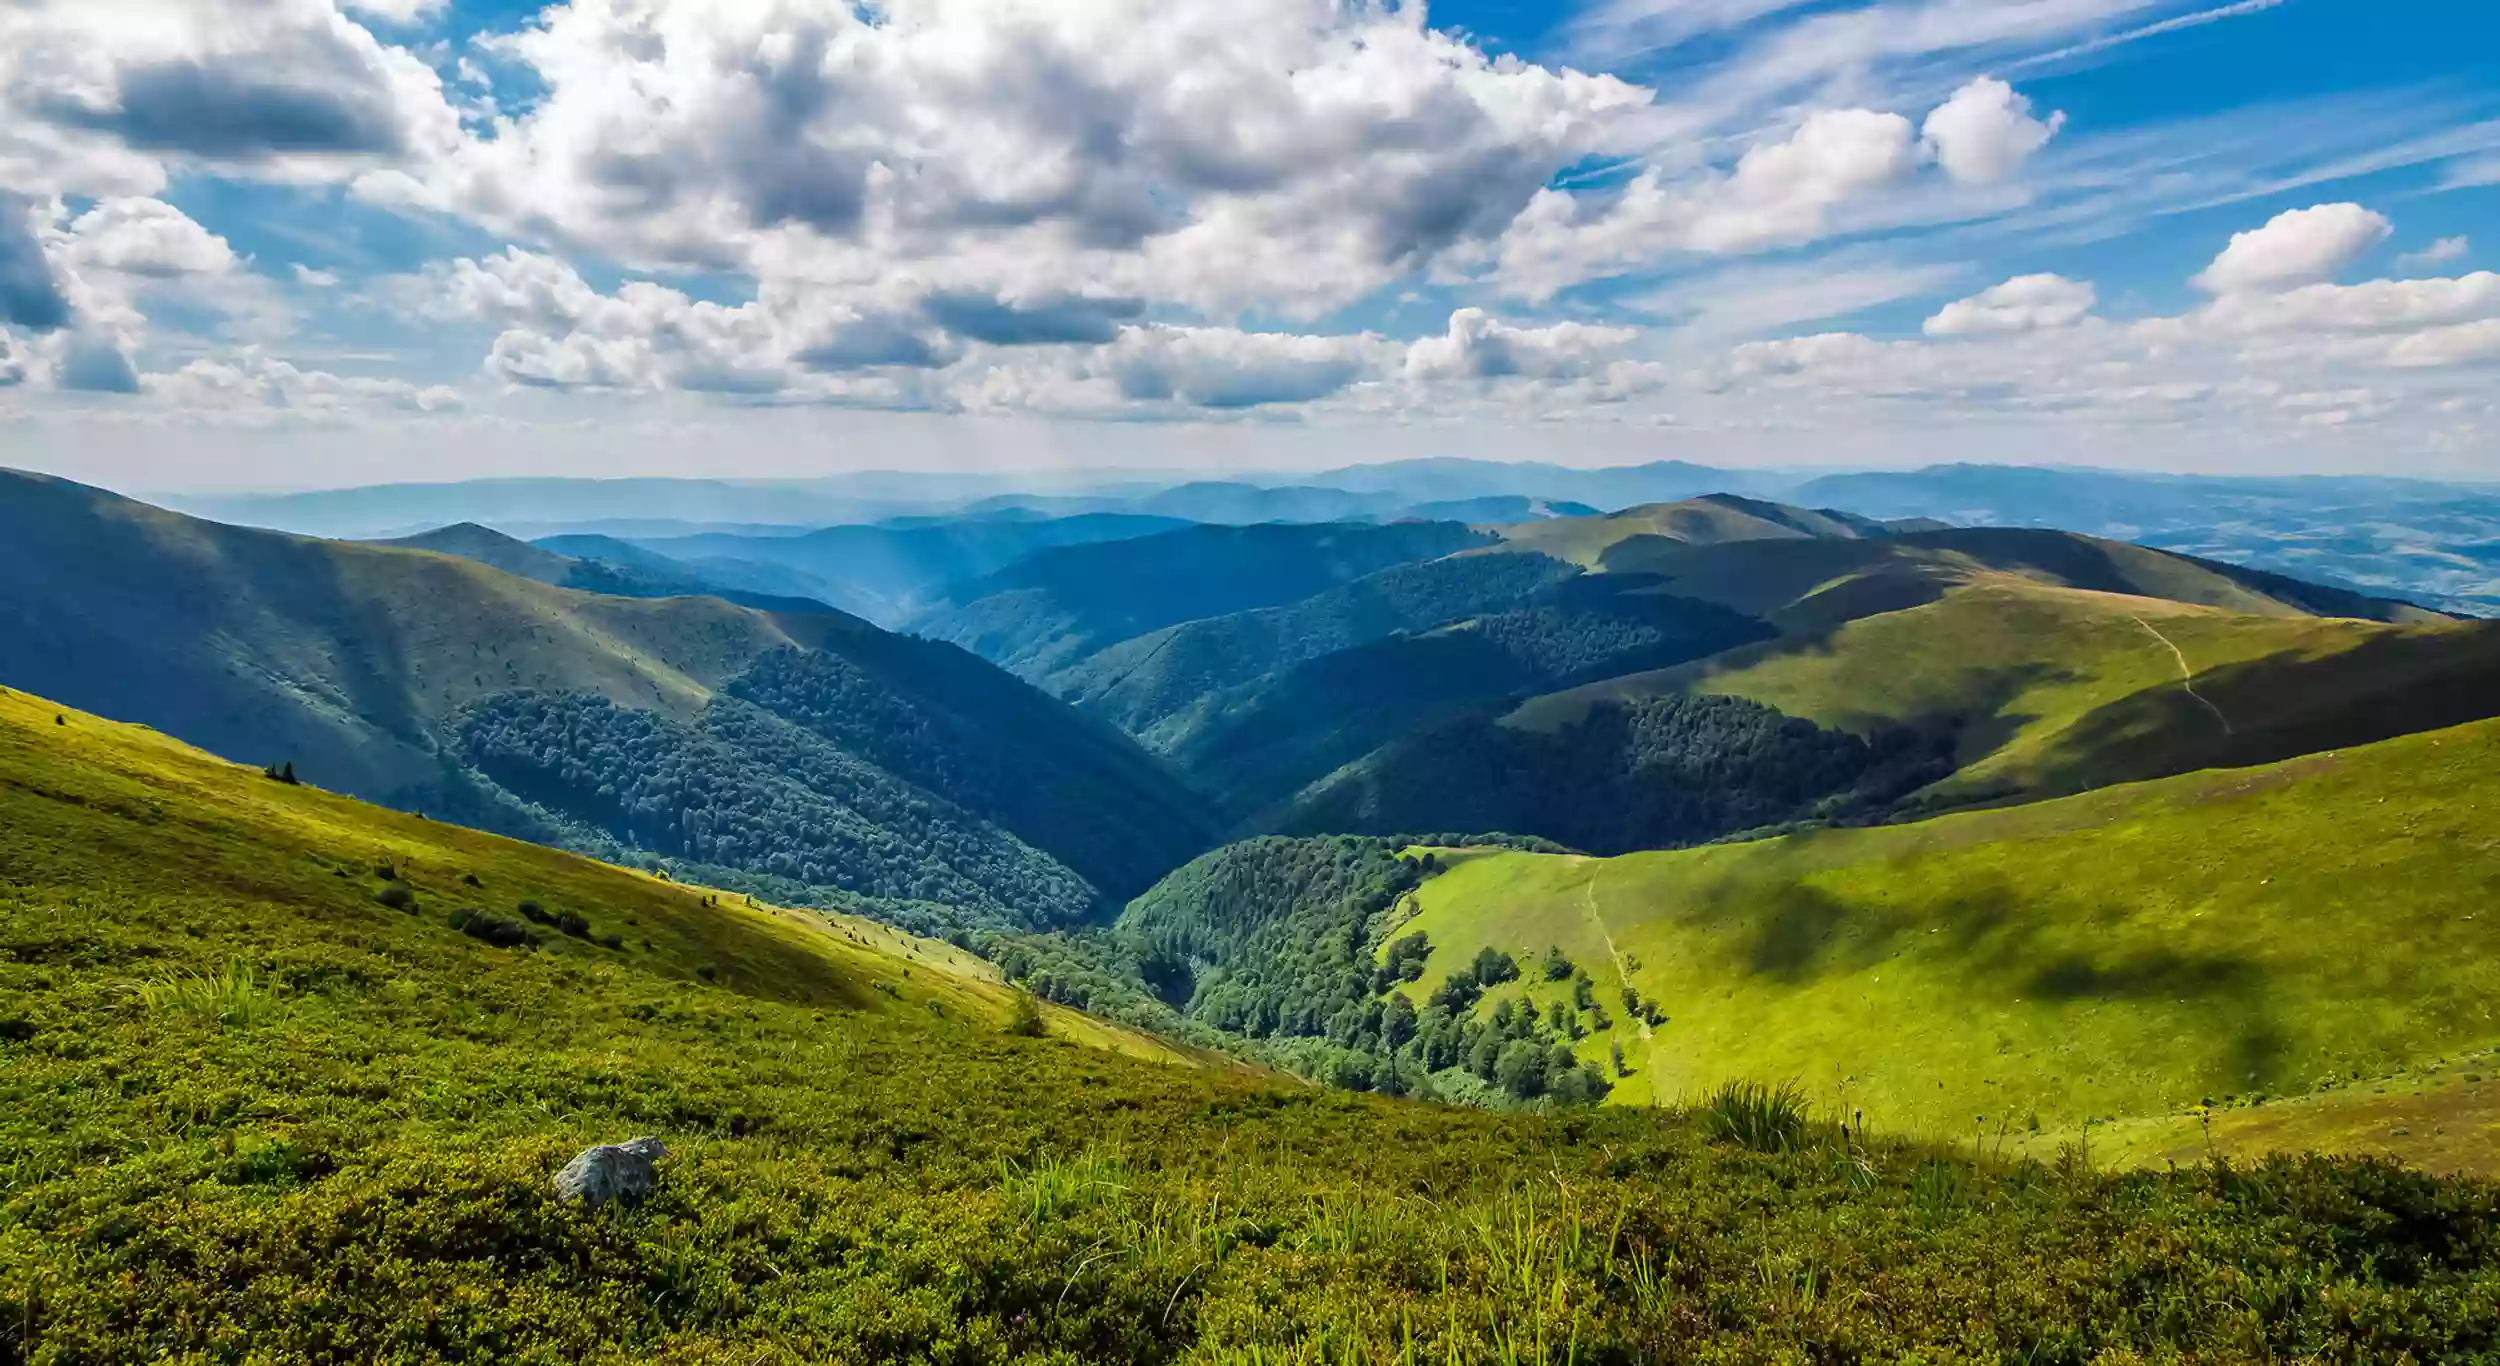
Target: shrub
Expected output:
[492,929]
[281,773]
[471,879]
[387,872]
[612,940]
[573,923]
[534,913]
[397,897]
[1767,1119]
[1558,967]
[1024,1017]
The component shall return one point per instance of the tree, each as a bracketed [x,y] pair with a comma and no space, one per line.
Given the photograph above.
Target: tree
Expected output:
[1024,1017]
[1520,1069]
[1494,967]
[1620,1069]
[1557,966]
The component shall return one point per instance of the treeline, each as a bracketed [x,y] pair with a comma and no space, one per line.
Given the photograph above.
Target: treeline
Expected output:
[1257,745]
[1650,773]
[744,790]
[1274,948]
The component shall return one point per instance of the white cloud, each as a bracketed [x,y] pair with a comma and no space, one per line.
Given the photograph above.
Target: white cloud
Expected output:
[102,99]
[1207,367]
[1480,346]
[1291,155]
[2438,253]
[249,379]
[2025,303]
[147,237]
[1986,132]
[2374,305]
[2297,247]
[1780,192]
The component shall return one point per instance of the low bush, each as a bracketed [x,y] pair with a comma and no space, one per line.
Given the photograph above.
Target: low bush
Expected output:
[492,929]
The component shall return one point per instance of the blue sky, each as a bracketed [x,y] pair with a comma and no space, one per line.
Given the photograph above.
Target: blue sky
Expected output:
[284,243]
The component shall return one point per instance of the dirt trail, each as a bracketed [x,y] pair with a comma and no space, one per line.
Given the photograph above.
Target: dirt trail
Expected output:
[2187,675]
[1623,968]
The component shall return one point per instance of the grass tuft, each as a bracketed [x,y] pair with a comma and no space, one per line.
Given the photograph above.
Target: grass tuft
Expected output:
[1767,1119]
[230,995]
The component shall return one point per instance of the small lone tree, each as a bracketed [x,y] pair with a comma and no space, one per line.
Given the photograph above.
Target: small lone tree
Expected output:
[1024,1016]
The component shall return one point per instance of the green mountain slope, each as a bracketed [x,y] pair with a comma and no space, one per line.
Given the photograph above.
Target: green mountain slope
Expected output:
[1142,682]
[2054,690]
[1255,745]
[1713,519]
[1054,608]
[252,1110]
[1806,585]
[2125,952]
[804,751]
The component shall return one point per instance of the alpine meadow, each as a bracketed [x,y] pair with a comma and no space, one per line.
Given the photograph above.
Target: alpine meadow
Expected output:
[1320,683]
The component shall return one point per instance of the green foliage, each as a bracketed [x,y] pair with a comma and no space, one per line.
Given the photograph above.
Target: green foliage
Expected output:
[1257,744]
[396,897]
[1559,967]
[490,928]
[1652,773]
[1024,1017]
[1767,1119]
[973,736]
[746,790]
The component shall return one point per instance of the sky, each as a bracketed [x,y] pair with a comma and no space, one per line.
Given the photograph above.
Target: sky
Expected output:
[313,243]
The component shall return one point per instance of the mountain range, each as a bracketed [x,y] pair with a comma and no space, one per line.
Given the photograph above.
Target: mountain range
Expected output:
[1185,774]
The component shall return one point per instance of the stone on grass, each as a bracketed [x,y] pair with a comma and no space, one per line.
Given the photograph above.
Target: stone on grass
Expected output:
[619,1171]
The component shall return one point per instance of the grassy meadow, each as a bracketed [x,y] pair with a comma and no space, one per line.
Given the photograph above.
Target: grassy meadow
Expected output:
[2293,931]
[267,1096]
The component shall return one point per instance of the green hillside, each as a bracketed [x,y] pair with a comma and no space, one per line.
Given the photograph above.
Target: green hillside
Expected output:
[798,753]
[2126,952]
[1809,585]
[250,1109]
[2054,690]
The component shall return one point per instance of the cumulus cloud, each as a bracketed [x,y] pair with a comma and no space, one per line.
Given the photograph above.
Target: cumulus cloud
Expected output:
[1219,367]
[251,379]
[1986,132]
[30,295]
[2025,303]
[110,92]
[1480,346]
[146,237]
[2297,247]
[1291,155]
